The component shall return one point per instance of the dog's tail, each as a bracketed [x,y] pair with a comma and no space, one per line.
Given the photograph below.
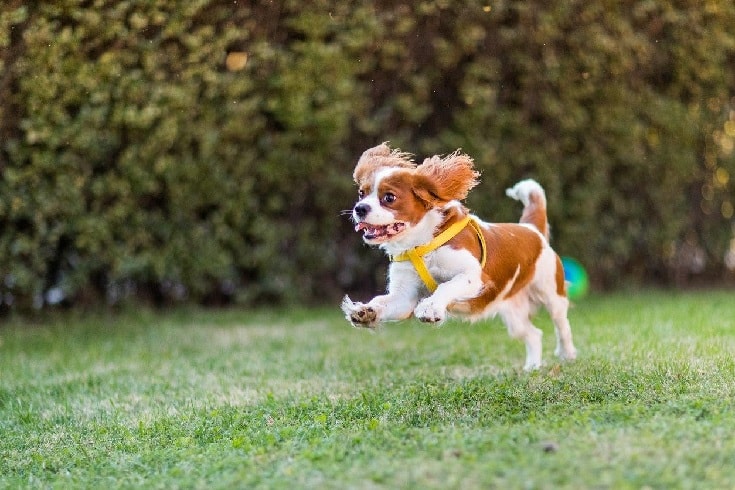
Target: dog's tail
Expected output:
[532,195]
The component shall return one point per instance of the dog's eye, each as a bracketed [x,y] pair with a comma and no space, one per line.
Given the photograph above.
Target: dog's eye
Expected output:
[389,198]
[361,193]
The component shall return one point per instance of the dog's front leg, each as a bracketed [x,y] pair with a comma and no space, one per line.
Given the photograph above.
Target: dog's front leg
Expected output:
[462,286]
[386,308]
[398,304]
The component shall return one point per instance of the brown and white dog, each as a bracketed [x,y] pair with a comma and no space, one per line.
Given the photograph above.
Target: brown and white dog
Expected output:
[472,269]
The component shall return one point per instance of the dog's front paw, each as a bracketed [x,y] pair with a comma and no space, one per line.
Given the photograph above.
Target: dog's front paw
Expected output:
[359,314]
[428,312]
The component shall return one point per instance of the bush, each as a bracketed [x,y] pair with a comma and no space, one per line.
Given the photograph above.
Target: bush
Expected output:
[201,151]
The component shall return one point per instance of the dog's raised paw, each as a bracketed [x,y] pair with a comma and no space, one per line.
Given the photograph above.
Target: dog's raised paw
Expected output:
[427,312]
[359,314]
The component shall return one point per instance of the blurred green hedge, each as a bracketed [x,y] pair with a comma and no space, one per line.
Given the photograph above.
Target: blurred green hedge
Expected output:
[201,151]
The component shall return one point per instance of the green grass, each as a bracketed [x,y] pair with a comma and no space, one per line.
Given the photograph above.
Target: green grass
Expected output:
[298,399]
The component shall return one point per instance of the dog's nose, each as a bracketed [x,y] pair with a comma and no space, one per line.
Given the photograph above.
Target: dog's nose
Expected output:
[361,210]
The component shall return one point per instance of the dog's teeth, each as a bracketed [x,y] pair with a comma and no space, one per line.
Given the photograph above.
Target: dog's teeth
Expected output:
[373,232]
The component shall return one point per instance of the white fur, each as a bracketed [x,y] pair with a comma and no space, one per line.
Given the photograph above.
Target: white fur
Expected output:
[523,190]
[459,276]
[517,310]
[378,215]
[457,271]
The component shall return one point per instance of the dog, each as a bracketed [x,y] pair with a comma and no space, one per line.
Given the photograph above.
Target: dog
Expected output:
[446,261]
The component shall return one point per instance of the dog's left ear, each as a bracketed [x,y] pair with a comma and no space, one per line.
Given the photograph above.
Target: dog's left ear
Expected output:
[439,180]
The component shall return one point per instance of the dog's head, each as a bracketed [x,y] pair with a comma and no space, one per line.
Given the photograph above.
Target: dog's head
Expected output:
[395,193]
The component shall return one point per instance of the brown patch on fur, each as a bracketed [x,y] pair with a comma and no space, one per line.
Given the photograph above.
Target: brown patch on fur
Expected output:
[512,249]
[426,190]
[446,179]
[406,207]
[561,284]
[379,157]
[535,214]
[467,238]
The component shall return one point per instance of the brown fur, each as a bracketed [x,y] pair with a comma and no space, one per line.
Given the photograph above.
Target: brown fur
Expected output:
[448,178]
[561,283]
[402,185]
[535,214]
[512,249]
[379,157]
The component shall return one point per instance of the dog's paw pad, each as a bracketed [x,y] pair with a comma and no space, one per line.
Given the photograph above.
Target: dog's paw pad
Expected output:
[428,313]
[359,314]
[433,319]
[365,315]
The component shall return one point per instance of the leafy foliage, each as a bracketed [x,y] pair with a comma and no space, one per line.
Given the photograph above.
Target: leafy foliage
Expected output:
[201,151]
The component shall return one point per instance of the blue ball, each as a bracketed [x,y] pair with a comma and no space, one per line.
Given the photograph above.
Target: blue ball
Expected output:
[577,280]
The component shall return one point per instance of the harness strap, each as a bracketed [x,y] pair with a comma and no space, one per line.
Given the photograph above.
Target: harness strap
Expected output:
[416,254]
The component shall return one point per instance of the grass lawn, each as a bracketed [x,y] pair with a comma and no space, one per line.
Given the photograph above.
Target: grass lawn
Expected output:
[298,399]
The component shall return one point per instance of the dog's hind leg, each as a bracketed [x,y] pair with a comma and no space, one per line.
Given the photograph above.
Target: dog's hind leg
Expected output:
[558,307]
[518,320]
[551,292]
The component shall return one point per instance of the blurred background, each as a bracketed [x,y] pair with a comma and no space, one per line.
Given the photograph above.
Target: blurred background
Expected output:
[200,151]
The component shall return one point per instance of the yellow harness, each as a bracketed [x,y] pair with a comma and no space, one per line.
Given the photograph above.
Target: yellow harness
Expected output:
[415,255]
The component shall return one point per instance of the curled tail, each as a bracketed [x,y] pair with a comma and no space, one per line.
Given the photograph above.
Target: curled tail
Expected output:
[532,195]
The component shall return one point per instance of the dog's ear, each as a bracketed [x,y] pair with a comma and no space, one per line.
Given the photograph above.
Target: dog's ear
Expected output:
[439,180]
[379,157]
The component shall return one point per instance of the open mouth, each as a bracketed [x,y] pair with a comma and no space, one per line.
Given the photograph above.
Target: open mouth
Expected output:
[380,232]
